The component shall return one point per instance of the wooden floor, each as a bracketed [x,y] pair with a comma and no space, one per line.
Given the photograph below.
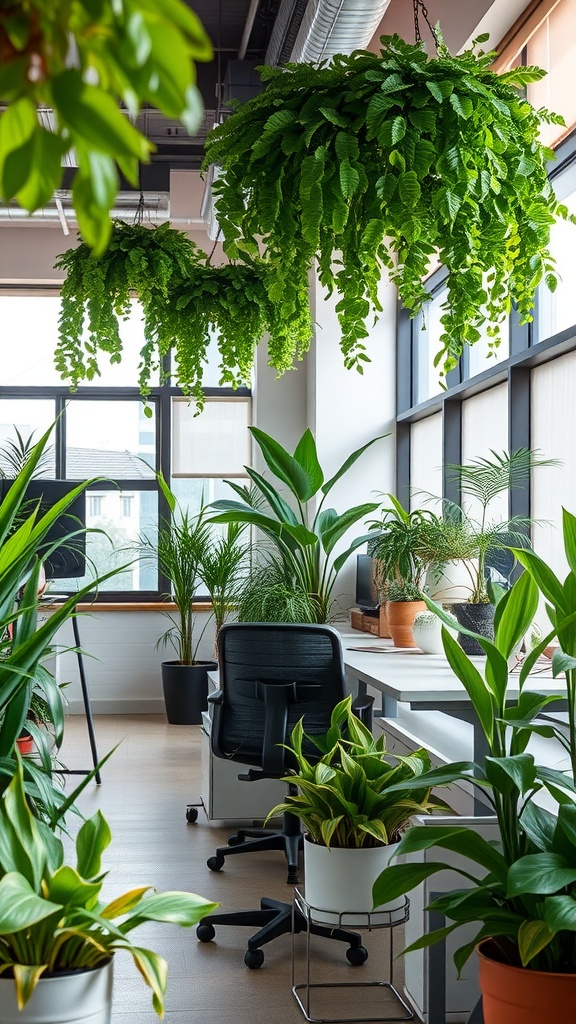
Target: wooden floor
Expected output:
[145,787]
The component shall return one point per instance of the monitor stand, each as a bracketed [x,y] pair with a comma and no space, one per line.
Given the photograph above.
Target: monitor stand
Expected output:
[47,599]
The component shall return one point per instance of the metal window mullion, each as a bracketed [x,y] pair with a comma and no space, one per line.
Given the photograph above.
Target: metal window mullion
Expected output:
[451,448]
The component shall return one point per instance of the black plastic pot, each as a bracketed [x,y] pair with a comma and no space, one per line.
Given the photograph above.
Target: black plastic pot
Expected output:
[479,618]
[185,691]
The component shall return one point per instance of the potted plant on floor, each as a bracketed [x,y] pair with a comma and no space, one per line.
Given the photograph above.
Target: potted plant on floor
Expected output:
[189,553]
[353,809]
[299,571]
[58,939]
[522,891]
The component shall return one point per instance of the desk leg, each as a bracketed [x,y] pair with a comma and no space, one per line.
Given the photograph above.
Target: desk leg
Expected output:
[86,699]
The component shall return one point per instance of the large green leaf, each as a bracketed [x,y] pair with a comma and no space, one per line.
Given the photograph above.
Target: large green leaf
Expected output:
[20,907]
[284,465]
[533,937]
[306,455]
[471,679]
[509,773]
[559,913]
[342,524]
[515,613]
[279,506]
[460,839]
[91,112]
[93,838]
[398,879]
[547,581]
[539,873]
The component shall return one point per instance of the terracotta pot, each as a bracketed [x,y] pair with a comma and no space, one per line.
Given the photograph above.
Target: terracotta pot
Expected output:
[401,615]
[25,744]
[517,995]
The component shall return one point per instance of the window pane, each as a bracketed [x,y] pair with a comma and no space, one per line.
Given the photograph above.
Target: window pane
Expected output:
[30,329]
[193,492]
[105,438]
[117,544]
[428,380]
[29,417]
[553,47]
[556,310]
[125,373]
[482,357]
[215,443]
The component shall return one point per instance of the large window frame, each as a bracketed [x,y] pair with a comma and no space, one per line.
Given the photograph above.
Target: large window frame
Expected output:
[527,350]
[160,398]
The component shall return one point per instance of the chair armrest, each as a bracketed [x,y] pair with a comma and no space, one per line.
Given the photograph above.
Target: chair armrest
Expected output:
[217,697]
[362,707]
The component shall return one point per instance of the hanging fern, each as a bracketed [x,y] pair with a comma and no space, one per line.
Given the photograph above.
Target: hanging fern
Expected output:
[390,161]
[184,300]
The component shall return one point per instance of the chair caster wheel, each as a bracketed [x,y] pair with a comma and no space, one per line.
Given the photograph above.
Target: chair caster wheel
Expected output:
[215,863]
[191,815]
[236,840]
[205,932]
[253,958]
[357,955]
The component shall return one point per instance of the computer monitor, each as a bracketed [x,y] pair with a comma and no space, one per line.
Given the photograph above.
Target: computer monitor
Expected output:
[366,594]
[66,561]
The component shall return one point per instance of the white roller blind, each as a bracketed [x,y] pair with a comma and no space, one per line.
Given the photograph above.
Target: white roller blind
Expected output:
[216,443]
[485,429]
[425,459]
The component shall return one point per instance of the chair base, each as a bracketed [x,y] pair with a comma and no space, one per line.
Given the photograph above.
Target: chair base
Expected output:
[272,920]
[262,839]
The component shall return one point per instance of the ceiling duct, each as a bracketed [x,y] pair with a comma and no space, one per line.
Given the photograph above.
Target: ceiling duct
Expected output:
[325,27]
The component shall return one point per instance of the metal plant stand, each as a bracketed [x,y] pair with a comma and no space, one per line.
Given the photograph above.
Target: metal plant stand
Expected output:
[302,991]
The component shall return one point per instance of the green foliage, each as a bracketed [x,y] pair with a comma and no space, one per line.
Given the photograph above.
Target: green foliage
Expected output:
[51,915]
[24,642]
[271,594]
[522,889]
[389,161]
[304,544]
[344,797]
[190,552]
[184,300]
[82,60]
[483,480]
[399,565]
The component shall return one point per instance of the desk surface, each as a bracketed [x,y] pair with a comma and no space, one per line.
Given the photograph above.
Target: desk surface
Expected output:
[412,677]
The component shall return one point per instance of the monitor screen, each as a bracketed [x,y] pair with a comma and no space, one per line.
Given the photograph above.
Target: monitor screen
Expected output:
[68,560]
[366,594]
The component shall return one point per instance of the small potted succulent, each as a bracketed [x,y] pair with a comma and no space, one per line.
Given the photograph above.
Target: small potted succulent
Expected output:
[352,823]
[58,939]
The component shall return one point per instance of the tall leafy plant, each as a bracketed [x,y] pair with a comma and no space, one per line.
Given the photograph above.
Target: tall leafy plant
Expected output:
[522,890]
[84,61]
[304,534]
[390,161]
[185,302]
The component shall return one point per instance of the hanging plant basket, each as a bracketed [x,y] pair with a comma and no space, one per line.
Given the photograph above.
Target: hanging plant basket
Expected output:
[392,161]
[184,301]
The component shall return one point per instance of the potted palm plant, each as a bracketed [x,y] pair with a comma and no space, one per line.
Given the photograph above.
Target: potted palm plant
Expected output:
[352,822]
[522,891]
[190,553]
[58,939]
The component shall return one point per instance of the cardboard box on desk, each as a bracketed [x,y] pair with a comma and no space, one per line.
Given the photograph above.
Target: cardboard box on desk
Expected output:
[374,623]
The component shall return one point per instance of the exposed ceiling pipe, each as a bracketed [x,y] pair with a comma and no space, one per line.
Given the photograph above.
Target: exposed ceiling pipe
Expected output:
[248,26]
[51,215]
[332,26]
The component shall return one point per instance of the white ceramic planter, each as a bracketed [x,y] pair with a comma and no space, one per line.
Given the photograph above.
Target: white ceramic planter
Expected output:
[84,997]
[427,632]
[340,882]
[454,585]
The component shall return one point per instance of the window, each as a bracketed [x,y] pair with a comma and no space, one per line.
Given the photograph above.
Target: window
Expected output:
[104,434]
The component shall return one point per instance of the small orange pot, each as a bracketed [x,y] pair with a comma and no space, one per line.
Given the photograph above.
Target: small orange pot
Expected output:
[25,744]
[401,615]
[517,995]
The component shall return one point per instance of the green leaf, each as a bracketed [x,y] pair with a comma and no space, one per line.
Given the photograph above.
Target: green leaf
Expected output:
[92,114]
[560,913]
[45,172]
[515,613]
[306,455]
[509,773]
[93,838]
[540,874]
[17,127]
[569,534]
[462,105]
[398,879]
[283,465]
[475,686]
[533,937]
[20,907]
[409,188]
[397,129]
[349,179]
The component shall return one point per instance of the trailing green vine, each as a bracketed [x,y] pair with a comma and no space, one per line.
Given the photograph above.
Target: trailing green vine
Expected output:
[184,300]
[390,161]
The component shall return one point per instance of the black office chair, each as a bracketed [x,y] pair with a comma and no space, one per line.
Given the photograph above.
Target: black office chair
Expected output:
[272,674]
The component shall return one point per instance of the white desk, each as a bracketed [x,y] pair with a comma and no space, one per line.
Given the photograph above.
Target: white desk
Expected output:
[425,682]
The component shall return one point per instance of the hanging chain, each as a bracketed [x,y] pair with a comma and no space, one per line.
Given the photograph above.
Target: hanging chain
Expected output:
[139,215]
[419,5]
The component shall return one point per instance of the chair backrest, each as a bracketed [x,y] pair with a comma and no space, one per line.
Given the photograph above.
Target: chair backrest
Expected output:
[271,674]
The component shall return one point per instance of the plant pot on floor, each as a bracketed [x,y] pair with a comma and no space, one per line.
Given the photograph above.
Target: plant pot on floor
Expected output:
[401,615]
[76,997]
[517,995]
[186,691]
[477,617]
[340,881]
